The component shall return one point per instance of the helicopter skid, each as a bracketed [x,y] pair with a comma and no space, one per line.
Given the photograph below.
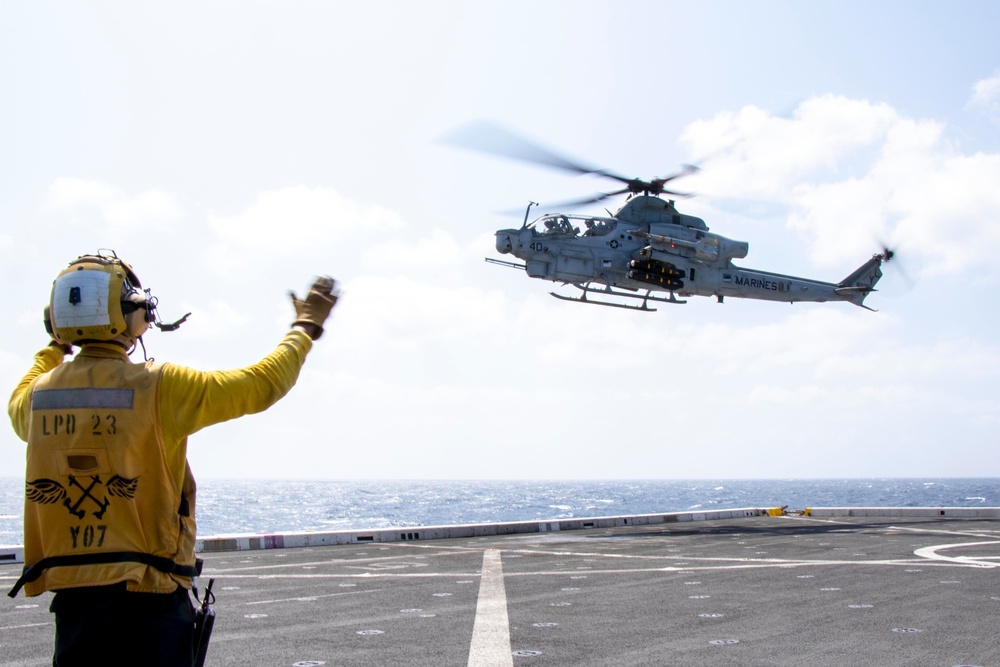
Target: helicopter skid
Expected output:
[645,298]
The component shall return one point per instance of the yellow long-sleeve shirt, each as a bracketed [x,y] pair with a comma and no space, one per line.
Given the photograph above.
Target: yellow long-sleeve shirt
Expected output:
[186,401]
[189,399]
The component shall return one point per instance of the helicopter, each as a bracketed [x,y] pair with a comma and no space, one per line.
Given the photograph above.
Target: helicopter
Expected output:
[647,251]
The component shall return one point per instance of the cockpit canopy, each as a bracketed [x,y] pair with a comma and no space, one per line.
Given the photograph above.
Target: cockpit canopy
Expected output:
[572,225]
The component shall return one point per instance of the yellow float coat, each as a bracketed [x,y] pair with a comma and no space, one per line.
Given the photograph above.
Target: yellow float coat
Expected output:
[107,469]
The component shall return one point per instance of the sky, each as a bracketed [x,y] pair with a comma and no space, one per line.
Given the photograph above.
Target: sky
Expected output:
[231,151]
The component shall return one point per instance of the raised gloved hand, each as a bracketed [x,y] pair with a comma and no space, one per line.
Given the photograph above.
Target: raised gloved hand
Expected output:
[311,312]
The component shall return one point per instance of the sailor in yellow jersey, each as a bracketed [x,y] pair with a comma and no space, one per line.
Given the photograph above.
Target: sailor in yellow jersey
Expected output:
[109,518]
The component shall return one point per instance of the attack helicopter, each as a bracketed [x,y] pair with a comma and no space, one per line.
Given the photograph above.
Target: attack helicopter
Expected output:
[647,251]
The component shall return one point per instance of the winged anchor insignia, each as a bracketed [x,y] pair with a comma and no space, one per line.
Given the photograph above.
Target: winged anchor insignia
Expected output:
[47,491]
[44,491]
[122,487]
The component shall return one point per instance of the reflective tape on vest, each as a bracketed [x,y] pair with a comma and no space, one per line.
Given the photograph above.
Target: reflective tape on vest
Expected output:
[85,397]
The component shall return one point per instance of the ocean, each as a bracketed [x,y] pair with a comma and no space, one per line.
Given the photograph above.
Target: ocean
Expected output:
[262,506]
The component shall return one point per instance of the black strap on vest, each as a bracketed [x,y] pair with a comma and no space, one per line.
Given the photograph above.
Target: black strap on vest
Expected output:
[161,563]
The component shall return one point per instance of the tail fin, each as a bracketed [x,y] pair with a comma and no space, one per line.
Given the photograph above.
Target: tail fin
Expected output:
[861,283]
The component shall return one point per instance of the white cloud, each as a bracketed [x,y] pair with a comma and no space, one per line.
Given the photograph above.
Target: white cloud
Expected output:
[437,249]
[755,154]
[986,96]
[383,313]
[104,206]
[963,358]
[852,173]
[216,318]
[803,339]
[298,222]
[785,395]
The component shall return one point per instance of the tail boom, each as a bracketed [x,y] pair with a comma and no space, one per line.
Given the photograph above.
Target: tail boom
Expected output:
[861,283]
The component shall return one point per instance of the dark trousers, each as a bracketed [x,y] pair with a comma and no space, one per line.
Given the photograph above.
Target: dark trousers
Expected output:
[108,626]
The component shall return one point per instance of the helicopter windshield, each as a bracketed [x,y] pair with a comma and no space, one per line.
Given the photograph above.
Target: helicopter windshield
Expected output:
[570,225]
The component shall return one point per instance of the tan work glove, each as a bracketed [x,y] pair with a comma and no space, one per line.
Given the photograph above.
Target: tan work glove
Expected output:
[311,312]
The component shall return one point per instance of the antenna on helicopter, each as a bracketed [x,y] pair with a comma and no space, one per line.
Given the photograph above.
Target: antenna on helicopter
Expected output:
[527,212]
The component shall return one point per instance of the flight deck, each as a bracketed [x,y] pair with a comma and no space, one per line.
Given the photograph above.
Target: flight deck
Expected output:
[758,586]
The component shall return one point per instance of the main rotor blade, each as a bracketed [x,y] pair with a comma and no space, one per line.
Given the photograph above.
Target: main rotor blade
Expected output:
[566,205]
[486,137]
[658,183]
[655,186]
[686,170]
[574,203]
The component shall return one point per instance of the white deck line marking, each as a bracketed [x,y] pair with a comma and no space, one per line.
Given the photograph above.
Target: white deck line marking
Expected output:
[963,533]
[310,598]
[976,561]
[29,625]
[491,631]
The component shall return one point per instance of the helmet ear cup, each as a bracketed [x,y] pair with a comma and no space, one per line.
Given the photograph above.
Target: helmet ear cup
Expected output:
[137,323]
[138,315]
[47,321]
[50,328]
